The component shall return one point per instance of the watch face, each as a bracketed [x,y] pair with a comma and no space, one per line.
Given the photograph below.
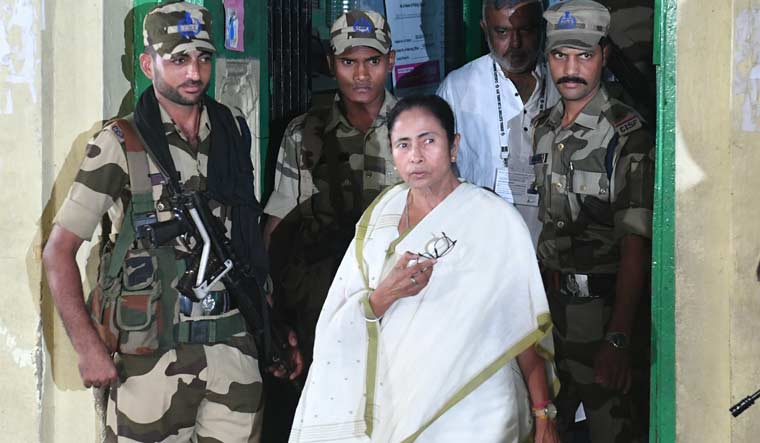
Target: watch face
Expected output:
[618,340]
[551,411]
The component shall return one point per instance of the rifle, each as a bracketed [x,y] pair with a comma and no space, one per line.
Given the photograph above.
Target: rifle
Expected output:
[745,403]
[214,259]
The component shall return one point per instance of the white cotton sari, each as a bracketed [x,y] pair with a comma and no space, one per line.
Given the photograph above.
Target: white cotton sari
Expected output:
[440,366]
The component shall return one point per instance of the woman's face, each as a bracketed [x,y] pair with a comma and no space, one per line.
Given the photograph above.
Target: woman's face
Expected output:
[421,151]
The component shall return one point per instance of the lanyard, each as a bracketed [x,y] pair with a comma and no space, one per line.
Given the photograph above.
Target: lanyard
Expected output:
[503,141]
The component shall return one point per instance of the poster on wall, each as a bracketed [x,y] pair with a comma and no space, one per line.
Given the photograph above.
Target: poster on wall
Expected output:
[237,86]
[233,25]
[417,33]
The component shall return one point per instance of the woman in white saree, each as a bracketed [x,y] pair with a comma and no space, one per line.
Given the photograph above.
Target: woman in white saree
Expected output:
[436,327]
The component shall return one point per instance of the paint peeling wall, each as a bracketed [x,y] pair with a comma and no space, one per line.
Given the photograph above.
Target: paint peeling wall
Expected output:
[717,213]
[55,59]
[20,167]
[745,214]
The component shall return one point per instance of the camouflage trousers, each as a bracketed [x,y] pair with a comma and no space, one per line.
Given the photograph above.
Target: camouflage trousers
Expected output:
[579,329]
[195,392]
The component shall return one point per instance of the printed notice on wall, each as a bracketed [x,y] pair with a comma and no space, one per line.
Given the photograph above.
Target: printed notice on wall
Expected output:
[237,86]
[417,32]
[233,25]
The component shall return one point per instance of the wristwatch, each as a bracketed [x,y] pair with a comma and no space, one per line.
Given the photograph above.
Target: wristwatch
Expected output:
[617,339]
[547,412]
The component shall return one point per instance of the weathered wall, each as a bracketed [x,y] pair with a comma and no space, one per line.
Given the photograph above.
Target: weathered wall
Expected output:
[55,59]
[717,248]
[745,214]
[21,361]
[704,246]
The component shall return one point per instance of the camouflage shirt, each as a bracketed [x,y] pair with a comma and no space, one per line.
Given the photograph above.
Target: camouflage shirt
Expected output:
[102,183]
[592,196]
[362,164]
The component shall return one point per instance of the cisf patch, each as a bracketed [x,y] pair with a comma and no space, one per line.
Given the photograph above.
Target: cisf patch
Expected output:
[567,21]
[363,25]
[630,123]
[189,27]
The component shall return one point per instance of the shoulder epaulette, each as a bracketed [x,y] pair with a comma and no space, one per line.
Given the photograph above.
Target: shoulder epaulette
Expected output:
[624,119]
[628,124]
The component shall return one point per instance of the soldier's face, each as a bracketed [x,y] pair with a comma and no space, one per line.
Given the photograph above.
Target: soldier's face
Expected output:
[183,79]
[361,72]
[576,72]
[421,150]
[514,36]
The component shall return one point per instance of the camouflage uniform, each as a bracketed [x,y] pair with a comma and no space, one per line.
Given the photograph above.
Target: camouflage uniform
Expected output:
[327,173]
[591,197]
[163,391]
[181,388]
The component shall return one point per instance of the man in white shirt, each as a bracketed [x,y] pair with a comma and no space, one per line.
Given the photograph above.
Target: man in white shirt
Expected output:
[495,98]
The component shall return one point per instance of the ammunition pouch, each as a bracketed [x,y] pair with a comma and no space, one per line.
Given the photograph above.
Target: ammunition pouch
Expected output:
[134,311]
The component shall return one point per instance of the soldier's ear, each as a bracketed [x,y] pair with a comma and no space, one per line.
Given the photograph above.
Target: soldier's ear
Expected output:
[605,54]
[146,64]
[391,60]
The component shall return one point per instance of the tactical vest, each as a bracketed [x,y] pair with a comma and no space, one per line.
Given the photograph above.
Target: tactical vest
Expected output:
[135,305]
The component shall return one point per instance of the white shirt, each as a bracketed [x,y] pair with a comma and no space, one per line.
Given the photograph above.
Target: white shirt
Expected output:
[471,93]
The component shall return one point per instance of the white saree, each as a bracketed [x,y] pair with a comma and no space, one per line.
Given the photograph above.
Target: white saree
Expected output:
[440,366]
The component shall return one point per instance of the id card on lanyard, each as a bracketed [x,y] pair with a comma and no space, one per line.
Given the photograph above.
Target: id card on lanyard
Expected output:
[513,186]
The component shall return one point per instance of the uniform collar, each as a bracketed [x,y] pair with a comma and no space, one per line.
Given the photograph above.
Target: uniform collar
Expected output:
[540,73]
[337,117]
[589,116]
[204,128]
[592,112]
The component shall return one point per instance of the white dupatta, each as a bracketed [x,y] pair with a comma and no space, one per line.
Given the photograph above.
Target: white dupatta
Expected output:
[440,366]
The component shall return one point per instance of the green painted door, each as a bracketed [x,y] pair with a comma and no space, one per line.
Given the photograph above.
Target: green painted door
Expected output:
[663,396]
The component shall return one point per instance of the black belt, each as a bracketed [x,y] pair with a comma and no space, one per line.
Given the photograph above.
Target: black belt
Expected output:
[579,286]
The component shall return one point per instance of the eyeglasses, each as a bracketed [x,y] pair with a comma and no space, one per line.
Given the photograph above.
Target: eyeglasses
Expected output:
[437,247]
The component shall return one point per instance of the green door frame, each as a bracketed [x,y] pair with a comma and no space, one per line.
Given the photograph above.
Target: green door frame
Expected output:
[662,394]
[662,397]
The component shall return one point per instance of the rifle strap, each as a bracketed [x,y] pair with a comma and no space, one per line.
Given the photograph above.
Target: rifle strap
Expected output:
[141,201]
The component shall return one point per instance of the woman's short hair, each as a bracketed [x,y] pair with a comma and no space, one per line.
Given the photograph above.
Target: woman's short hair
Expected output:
[431,103]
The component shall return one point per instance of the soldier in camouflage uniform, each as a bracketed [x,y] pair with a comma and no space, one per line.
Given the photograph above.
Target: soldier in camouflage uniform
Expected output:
[594,165]
[182,370]
[332,163]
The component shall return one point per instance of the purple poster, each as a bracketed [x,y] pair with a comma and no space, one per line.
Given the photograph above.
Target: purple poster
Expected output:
[233,25]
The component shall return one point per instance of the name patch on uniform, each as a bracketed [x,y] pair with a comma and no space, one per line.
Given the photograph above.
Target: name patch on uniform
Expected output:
[538,159]
[630,123]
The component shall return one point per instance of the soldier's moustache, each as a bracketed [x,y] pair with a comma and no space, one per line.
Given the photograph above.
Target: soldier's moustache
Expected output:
[571,80]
